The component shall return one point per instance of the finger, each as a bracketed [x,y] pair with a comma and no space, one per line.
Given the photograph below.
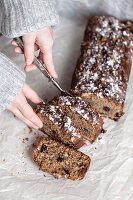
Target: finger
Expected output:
[48,60]
[30,67]
[29,42]
[21,117]
[14,43]
[30,94]
[46,44]
[18,50]
[30,115]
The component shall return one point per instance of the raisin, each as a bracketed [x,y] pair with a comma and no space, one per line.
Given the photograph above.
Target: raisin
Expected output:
[106,91]
[102,130]
[43,148]
[59,159]
[110,71]
[81,165]
[53,132]
[99,82]
[115,119]
[85,129]
[104,52]
[105,108]
[117,114]
[66,171]
[103,87]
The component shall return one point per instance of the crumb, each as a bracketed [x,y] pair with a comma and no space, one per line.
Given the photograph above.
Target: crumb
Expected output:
[14,115]
[95,148]
[44,175]
[30,129]
[25,139]
[33,145]
[103,131]
[99,138]
[4,160]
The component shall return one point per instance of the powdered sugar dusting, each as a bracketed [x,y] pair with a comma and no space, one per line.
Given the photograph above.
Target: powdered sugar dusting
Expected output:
[68,127]
[56,115]
[103,68]
[77,105]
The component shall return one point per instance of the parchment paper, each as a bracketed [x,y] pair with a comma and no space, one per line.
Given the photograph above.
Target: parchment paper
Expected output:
[110,176]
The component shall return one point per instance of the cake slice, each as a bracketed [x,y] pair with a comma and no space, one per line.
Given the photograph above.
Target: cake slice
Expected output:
[60,160]
[58,125]
[102,72]
[86,119]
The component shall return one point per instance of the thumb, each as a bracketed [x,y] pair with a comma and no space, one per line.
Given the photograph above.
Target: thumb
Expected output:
[29,41]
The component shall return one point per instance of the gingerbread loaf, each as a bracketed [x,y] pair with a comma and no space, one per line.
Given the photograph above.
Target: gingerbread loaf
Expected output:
[102,72]
[86,119]
[59,126]
[60,160]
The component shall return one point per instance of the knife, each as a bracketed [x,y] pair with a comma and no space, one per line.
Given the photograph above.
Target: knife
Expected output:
[42,68]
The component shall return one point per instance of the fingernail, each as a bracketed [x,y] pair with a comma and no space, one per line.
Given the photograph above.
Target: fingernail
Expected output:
[28,62]
[13,43]
[17,51]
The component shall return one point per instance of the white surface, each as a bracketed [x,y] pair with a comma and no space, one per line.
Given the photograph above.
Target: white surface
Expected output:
[110,176]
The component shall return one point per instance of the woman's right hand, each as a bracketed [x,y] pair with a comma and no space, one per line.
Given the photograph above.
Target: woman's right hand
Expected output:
[42,40]
[23,110]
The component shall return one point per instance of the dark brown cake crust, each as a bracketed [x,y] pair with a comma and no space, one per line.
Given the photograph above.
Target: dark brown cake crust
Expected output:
[59,126]
[60,160]
[103,69]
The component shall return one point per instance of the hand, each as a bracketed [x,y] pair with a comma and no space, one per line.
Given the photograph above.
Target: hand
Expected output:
[43,40]
[23,110]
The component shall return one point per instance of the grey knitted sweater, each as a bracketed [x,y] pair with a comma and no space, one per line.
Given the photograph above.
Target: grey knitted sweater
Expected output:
[18,18]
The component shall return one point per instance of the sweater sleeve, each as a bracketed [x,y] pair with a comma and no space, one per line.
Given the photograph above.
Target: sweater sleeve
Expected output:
[11,81]
[22,16]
